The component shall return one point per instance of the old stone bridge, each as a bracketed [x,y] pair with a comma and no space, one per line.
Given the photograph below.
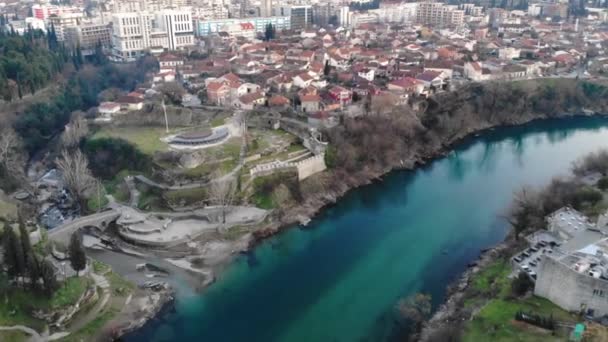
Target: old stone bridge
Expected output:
[100,220]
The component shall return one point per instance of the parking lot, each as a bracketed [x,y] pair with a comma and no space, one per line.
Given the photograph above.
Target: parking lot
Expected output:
[529,259]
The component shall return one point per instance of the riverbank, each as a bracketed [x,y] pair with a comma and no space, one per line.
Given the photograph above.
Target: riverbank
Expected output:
[336,186]
[492,284]
[439,141]
[378,244]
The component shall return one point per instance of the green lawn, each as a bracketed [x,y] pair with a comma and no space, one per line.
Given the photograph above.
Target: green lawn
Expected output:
[493,278]
[93,328]
[147,139]
[16,307]
[218,121]
[189,196]
[494,322]
[14,336]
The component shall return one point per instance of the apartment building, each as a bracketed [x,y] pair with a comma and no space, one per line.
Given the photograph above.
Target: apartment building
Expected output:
[439,15]
[134,33]
[63,21]
[43,12]
[88,34]
[207,27]
[300,16]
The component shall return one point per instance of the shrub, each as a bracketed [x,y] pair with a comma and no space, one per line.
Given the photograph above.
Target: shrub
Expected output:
[521,284]
[108,156]
[603,183]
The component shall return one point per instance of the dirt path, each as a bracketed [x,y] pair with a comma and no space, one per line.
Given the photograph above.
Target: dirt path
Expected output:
[82,320]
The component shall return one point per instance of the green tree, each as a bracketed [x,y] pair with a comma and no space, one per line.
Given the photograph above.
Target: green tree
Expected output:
[326,69]
[603,183]
[78,257]
[9,251]
[521,284]
[49,280]
[269,33]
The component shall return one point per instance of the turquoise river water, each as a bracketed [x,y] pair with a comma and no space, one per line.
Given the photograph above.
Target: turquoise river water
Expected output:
[339,278]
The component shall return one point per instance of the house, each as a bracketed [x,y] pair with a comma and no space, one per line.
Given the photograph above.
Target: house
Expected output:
[514,71]
[250,101]
[129,103]
[108,108]
[167,76]
[406,85]
[340,94]
[310,103]
[476,72]
[278,101]
[218,93]
[431,79]
[367,74]
[169,62]
[508,53]
[302,80]
[281,82]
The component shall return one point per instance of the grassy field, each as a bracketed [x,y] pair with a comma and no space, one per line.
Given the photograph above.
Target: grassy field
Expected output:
[147,139]
[495,321]
[17,305]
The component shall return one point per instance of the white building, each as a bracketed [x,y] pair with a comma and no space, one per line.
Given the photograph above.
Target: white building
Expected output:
[178,25]
[534,10]
[344,18]
[266,8]
[62,22]
[439,14]
[134,33]
[403,13]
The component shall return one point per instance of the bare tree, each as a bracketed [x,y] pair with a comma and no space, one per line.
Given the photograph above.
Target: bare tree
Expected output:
[74,131]
[12,154]
[10,148]
[78,179]
[525,211]
[222,191]
[383,103]
[172,91]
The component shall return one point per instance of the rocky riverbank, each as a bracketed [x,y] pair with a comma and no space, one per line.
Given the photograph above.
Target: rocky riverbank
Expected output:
[441,144]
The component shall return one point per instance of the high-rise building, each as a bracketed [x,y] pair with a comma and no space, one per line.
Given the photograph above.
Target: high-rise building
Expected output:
[344,18]
[266,8]
[439,14]
[63,21]
[88,35]
[178,25]
[301,17]
[207,27]
[134,33]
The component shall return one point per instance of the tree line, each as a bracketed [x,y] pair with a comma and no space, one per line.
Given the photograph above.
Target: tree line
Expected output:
[30,269]
[28,62]
[23,265]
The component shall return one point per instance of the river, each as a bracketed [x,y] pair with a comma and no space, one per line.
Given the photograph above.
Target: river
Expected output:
[339,278]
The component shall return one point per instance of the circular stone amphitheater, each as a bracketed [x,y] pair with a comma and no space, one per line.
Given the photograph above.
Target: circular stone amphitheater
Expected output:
[200,137]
